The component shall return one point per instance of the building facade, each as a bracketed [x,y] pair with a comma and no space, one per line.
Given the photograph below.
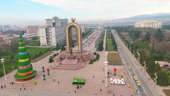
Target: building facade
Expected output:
[31,31]
[1,36]
[53,32]
[43,36]
[148,24]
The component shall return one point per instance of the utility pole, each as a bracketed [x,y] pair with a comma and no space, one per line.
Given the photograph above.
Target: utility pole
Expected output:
[3,61]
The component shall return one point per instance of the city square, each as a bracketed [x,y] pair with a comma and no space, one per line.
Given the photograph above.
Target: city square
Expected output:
[85,48]
[58,82]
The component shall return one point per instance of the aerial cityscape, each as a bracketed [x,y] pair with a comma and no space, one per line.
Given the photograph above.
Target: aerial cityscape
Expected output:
[85,48]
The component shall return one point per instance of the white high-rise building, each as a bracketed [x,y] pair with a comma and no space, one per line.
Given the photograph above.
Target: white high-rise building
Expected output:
[148,24]
[53,32]
[43,36]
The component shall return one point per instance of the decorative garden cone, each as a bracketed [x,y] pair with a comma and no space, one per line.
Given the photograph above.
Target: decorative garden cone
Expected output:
[35,82]
[48,71]
[25,70]
[108,76]
[121,75]
[114,73]
[44,77]
[114,69]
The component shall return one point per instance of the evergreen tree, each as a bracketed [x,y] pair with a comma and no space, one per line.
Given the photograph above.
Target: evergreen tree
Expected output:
[142,55]
[162,78]
[51,59]
[159,35]
[147,36]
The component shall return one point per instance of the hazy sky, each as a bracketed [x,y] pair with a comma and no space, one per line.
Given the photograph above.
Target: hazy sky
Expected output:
[33,11]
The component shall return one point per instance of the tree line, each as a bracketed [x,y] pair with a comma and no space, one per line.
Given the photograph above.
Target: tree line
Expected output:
[144,49]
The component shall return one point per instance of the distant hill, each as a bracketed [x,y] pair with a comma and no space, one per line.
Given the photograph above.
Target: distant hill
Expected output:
[163,17]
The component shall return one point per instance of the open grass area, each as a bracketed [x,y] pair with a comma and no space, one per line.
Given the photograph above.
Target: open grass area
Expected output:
[110,43]
[32,43]
[36,52]
[167,92]
[114,58]
[142,45]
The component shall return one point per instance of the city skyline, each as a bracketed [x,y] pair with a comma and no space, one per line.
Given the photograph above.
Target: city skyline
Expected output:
[15,11]
[85,48]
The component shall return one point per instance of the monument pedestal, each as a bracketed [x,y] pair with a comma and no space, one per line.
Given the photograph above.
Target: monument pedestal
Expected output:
[72,62]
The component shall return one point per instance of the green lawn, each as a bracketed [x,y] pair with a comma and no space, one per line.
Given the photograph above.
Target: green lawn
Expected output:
[32,43]
[110,43]
[36,52]
[142,45]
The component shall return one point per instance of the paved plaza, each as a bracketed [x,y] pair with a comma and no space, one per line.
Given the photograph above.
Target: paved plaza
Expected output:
[59,83]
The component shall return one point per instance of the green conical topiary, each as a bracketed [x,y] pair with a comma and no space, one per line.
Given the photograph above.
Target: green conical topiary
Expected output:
[25,69]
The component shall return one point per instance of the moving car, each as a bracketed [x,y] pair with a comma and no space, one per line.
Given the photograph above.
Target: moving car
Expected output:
[138,82]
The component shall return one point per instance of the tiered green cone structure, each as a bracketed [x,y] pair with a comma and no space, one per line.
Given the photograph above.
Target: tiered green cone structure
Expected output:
[25,69]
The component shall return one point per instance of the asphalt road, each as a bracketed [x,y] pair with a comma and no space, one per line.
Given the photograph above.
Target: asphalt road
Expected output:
[125,54]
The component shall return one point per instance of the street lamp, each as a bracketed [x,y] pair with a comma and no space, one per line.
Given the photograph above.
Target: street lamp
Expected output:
[2,61]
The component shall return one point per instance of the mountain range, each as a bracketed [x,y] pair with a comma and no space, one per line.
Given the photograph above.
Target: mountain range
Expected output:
[163,17]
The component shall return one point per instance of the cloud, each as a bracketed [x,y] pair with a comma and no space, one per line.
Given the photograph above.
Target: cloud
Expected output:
[108,9]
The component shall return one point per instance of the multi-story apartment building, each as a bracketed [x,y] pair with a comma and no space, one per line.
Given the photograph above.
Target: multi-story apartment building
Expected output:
[148,24]
[43,36]
[31,31]
[1,36]
[53,32]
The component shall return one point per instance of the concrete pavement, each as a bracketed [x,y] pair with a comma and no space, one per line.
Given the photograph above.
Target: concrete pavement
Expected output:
[50,87]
